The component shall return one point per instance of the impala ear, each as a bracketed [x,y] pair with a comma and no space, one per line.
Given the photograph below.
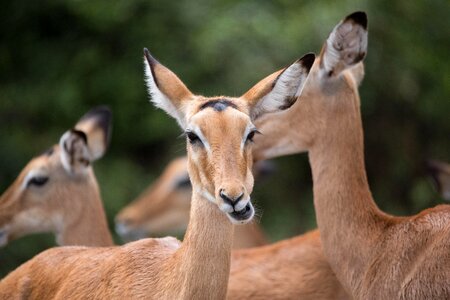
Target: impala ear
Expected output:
[280,90]
[166,90]
[75,154]
[96,124]
[346,46]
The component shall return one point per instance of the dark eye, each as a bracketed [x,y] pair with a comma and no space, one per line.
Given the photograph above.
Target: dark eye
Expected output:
[37,181]
[192,137]
[251,135]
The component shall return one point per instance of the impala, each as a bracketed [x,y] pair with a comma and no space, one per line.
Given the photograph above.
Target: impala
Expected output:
[222,181]
[374,255]
[57,191]
[164,208]
[440,172]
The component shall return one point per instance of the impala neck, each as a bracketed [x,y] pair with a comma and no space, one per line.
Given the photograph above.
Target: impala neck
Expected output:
[348,218]
[203,261]
[89,226]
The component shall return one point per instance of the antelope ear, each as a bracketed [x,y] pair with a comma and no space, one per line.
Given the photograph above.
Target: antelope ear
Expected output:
[75,154]
[346,46]
[166,90]
[280,90]
[96,124]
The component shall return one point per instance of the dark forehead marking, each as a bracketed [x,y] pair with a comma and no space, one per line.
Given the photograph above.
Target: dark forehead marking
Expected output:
[218,104]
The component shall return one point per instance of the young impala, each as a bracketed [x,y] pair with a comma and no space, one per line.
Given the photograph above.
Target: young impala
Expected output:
[374,255]
[221,178]
[57,191]
[164,208]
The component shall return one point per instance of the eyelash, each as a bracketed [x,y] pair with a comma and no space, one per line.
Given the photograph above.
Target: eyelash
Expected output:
[192,137]
[251,135]
[37,181]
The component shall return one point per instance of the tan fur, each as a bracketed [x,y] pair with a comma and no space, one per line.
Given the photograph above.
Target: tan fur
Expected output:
[290,269]
[68,205]
[160,268]
[374,255]
[164,208]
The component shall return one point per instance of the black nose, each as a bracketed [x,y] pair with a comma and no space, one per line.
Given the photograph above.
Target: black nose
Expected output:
[230,200]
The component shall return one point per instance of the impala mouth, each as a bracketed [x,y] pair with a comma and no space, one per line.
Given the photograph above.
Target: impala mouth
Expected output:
[242,216]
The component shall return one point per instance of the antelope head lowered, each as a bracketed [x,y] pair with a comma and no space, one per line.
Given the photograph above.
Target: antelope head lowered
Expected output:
[57,191]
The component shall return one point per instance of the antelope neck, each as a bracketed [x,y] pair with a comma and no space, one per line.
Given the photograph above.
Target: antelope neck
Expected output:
[203,261]
[348,218]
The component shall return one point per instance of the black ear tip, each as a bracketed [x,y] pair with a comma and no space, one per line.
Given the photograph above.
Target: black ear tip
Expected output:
[150,59]
[102,116]
[358,17]
[308,60]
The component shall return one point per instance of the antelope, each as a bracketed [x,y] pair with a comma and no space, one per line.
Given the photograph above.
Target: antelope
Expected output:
[295,268]
[164,208]
[222,181]
[440,173]
[57,191]
[373,254]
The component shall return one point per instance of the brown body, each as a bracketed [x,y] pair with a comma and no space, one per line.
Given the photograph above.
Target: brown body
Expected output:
[222,182]
[374,255]
[290,269]
[57,191]
[163,208]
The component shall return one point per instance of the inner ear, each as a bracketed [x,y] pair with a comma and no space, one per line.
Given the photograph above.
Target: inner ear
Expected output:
[280,90]
[75,154]
[346,46]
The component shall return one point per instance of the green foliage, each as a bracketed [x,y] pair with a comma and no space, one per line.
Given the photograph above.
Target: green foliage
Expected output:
[60,58]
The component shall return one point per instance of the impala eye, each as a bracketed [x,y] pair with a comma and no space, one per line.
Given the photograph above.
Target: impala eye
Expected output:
[37,181]
[251,135]
[193,138]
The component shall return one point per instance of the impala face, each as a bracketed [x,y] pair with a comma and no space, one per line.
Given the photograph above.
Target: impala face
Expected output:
[219,137]
[52,184]
[220,130]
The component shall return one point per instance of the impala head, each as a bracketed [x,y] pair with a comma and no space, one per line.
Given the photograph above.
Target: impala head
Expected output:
[331,88]
[52,185]
[440,173]
[220,130]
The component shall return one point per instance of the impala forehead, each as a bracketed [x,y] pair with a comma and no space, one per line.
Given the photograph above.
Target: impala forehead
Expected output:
[41,165]
[224,124]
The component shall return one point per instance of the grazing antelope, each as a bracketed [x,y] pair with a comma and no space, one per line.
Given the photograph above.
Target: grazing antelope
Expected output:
[374,255]
[219,134]
[440,172]
[57,191]
[164,208]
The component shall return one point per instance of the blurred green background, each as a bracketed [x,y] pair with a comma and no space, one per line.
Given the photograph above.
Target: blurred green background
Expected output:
[60,58]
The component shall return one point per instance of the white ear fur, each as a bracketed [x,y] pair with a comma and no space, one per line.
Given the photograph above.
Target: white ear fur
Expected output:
[346,45]
[158,98]
[75,155]
[287,87]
